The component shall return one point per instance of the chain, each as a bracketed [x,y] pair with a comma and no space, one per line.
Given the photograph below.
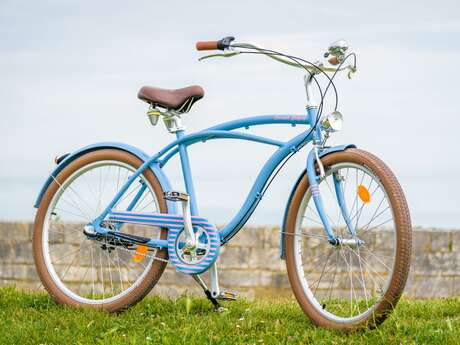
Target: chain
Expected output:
[146,255]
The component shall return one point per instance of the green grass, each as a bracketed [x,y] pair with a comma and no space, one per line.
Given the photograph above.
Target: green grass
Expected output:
[32,318]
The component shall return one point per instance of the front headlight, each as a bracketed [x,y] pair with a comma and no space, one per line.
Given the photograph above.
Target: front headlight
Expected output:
[332,122]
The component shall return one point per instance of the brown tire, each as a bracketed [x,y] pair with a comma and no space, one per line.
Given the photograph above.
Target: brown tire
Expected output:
[153,270]
[313,306]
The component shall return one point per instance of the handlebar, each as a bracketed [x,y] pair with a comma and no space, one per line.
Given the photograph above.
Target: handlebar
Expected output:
[226,43]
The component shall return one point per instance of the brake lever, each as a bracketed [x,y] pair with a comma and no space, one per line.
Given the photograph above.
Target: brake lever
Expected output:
[227,54]
[351,70]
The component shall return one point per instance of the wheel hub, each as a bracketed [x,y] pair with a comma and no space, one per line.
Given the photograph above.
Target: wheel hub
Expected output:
[348,242]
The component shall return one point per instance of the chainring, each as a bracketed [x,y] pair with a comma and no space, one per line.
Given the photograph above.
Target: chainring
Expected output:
[194,261]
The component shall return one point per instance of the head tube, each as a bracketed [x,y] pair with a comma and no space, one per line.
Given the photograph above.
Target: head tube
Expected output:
[312,113]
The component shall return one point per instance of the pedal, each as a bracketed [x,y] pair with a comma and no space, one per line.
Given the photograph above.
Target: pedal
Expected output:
[175,196]
[228,296]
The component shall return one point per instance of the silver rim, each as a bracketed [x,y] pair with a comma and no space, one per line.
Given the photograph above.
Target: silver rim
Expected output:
[346,283]
[95,271]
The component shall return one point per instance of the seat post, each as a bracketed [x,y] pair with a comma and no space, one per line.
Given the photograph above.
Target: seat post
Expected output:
[187,173]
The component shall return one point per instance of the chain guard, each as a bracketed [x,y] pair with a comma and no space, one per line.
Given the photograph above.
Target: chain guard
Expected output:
[209,238]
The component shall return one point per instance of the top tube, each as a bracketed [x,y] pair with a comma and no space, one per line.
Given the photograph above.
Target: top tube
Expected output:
[291,119]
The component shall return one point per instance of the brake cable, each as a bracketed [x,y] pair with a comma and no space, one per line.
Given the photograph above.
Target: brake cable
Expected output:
[311,68]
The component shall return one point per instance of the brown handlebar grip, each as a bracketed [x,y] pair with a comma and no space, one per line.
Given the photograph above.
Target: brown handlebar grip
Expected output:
[207,45]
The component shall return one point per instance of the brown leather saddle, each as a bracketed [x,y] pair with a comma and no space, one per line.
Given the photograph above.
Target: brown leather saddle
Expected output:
[180,100]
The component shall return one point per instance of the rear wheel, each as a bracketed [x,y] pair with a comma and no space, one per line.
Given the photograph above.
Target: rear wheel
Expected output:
[89,272]
[349,285]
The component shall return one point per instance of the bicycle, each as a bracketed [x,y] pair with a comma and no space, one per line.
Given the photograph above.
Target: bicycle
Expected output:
[107,220]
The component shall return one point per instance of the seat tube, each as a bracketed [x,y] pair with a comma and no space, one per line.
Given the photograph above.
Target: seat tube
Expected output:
[187,173]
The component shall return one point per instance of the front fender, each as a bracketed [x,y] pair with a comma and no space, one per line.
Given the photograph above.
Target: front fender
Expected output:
[164,182]
[321,154]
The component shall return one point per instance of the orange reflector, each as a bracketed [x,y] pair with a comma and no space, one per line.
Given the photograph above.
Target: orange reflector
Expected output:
[139,255]
[364,194]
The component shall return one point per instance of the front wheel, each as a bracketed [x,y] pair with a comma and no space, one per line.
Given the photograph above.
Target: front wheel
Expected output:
[355,283]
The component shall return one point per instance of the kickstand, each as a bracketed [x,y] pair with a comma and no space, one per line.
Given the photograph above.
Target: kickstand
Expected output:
[208,293]
[214,302]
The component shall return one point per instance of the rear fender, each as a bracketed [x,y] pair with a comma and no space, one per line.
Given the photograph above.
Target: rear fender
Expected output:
[67,159]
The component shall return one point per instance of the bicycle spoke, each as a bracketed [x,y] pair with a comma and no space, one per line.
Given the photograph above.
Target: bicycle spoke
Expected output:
[352,292]
[374,218]
[93,270]
[362,279]
[141,200]
[128,194]
[85,179]
[67,226]
[377,226]
[364,261]
[66,254]
[322,271]
[314,221]
[335,273]
[83,214]
[71,213]
[373,215]
[376,257]
[79,197]
[119,271]
[110,270]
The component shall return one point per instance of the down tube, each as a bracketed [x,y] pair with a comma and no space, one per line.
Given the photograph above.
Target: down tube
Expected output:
[255,194]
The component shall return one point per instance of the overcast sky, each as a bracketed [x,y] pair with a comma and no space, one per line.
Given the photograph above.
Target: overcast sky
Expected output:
[70,72]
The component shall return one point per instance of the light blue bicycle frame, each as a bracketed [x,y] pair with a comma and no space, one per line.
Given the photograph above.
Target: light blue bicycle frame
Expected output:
[226,130]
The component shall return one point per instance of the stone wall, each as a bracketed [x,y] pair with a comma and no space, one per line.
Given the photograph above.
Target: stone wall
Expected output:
[250,264]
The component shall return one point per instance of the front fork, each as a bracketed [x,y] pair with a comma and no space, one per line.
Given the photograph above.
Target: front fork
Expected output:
[313,179]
